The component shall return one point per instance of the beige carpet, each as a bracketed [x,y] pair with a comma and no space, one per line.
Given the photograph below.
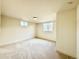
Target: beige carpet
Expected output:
[31,49]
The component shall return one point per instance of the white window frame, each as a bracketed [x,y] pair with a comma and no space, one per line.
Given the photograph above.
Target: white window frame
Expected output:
[23,23]
[48,26]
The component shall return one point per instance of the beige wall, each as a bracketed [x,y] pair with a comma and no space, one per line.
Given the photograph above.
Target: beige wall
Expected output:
[66,32]
[46,35]
[0,15]
[0,27]
[0,23]
[0,7]
[78,32]
[12,31]
[0,19]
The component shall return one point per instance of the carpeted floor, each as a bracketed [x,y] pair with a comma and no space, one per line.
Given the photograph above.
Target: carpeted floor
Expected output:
[31,49]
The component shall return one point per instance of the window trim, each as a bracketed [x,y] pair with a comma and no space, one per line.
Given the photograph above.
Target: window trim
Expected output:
[23,25]
[48,30]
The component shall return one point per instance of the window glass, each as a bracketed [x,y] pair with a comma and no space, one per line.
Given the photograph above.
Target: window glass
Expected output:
[24,24]
[47,27]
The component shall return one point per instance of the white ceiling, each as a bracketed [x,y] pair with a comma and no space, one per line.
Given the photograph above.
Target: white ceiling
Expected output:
[45,10]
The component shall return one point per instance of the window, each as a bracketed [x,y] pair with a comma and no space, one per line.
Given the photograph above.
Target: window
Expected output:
[48,27]
[24,24]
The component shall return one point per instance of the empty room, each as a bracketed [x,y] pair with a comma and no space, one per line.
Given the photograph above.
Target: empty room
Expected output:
[39,29]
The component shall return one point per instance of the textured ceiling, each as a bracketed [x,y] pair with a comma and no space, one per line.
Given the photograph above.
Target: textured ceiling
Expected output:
[45,10]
